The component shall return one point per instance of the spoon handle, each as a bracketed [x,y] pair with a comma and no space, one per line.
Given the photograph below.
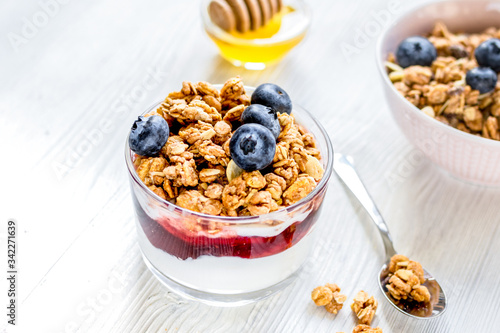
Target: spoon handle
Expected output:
[347,173]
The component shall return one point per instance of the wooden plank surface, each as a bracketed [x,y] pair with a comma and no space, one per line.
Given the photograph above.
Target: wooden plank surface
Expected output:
[69,91]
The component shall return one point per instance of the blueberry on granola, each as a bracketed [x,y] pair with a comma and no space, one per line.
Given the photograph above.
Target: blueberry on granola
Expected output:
[416,50]
[148,135]
[252,147]
[273,96]
[263,115]
[488,54]
[483,79]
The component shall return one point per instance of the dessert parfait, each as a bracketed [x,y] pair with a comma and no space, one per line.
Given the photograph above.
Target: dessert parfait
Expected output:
[227,188]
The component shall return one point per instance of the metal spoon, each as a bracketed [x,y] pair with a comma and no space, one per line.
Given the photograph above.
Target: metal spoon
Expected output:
[343,166]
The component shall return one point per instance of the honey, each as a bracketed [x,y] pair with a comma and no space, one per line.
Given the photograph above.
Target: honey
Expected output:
[267,45]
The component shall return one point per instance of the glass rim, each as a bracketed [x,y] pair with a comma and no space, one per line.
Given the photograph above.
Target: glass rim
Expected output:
[225,36]
[239,219]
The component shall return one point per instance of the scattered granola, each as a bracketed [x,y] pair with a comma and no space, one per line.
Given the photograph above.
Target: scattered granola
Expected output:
[329,296]
[337,301]
[322,295]
[361,328]
[440,90]
[364,307]
[194,169]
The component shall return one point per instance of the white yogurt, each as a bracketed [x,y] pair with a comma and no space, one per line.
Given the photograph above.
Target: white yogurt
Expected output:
[227,275]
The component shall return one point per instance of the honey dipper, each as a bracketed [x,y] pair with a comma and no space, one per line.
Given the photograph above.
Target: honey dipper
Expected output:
[243,15]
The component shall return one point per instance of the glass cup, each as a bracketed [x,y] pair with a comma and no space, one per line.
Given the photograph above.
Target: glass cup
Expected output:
[228,261]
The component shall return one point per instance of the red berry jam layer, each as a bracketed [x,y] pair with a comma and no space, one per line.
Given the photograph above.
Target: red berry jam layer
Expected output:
[184,245]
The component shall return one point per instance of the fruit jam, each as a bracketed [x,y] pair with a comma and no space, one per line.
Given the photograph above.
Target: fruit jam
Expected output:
[186,244]
[256,49]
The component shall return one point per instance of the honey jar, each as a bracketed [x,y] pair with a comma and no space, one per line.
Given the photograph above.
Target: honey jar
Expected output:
[266,45]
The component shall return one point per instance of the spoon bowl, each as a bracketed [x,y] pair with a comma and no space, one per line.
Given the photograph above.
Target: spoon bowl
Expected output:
[343,166]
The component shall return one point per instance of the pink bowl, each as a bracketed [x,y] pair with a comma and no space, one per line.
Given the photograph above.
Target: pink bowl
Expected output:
[466,156]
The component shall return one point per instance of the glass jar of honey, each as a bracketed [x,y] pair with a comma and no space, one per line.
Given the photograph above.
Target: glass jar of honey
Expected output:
[256,49]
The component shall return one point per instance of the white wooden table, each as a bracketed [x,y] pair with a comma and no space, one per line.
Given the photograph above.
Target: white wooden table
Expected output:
[71,84]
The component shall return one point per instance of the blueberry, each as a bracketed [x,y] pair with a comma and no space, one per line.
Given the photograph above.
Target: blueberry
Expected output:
[260,114]
[483,79]
[416,50]
[273,96]
[252,147]
[488,54]
[148,135]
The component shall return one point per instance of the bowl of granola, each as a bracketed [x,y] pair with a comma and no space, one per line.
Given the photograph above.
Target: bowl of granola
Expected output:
[439,67]
[213,226]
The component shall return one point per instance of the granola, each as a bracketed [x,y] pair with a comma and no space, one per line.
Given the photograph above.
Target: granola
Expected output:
[406,279]
[329,296]
[364,307]
[194,169]
[361,328]
[440,90]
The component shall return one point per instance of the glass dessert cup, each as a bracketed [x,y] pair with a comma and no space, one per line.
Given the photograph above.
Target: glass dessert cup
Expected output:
[255,50]
[228,261]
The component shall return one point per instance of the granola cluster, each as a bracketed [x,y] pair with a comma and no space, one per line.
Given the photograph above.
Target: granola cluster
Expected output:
[406,278]
[194,169]
[329,296]
[361,328]
[363,305]
[440,90]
